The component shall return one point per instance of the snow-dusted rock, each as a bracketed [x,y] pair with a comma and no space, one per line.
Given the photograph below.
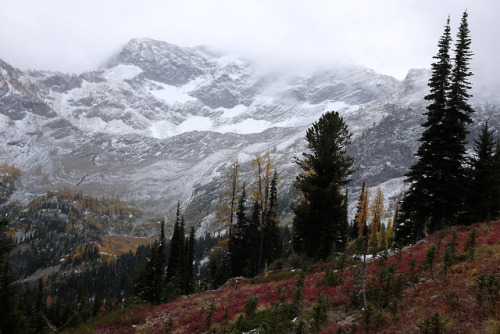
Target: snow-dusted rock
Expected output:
[159,123]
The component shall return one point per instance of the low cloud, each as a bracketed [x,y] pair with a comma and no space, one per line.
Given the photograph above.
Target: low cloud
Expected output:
[389,36]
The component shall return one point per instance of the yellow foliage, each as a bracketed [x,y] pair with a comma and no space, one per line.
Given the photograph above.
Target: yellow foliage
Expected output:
[11,234]
[377,212]
[48,301]
[11,171]
[226,209]
[221,246]
[310,172]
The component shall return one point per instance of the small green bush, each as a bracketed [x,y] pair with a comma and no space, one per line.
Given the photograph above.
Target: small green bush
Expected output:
[251,306]
[435,324]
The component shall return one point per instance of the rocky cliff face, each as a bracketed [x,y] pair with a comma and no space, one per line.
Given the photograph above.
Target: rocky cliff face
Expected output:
[159,123]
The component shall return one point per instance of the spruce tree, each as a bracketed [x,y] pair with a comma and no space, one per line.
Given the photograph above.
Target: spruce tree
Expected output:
[320,224]
[483,191]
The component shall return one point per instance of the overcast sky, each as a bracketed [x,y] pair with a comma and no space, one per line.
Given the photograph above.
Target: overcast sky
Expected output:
[389,36]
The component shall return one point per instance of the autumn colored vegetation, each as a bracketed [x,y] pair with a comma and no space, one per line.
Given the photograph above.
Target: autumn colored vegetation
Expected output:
[460,295]
[117,245]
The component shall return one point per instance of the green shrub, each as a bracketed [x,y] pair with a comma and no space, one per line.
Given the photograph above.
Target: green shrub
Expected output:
[251,306]
[488,294]
[435,324]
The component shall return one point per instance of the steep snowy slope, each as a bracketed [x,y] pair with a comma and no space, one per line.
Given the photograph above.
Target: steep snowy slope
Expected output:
[158,124]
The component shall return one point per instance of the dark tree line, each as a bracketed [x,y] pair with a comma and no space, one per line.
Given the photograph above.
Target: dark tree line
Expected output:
[160,279]
[254,238]
[483,195]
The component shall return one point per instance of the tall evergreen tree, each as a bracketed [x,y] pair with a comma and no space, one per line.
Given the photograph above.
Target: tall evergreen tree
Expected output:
[253,241]
[189,266]
[361,216]
[320,224]
[11,319]
[436,192]
[176,259]
[457,117]
[483,191]
[39,309]
[238,242]
[418,205]
[148,284]
[496,206]
[271,246]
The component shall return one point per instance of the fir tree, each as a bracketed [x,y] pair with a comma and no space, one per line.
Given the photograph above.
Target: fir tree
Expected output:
[189,263]
[271,245]
[10,319]
[253,242]
[148,285]
[320,224]
[176,259]
[437,180]
[238,242]
[496,191]
[458,115]
[361,217]
[418,205]
[483,191]
[430,257]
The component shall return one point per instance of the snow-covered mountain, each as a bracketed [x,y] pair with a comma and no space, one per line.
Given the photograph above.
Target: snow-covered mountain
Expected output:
[159,124]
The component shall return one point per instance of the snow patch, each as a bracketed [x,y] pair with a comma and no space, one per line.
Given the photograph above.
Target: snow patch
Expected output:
[122,72]
[173,94]
[97,124]
[247,126]
[165,129]
[196,123]
[337,106]
[233,112]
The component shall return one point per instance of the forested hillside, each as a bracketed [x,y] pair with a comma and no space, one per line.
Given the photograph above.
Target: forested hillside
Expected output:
[447,283]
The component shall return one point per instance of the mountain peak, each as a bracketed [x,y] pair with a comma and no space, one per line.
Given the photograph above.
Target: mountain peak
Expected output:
[161,61]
